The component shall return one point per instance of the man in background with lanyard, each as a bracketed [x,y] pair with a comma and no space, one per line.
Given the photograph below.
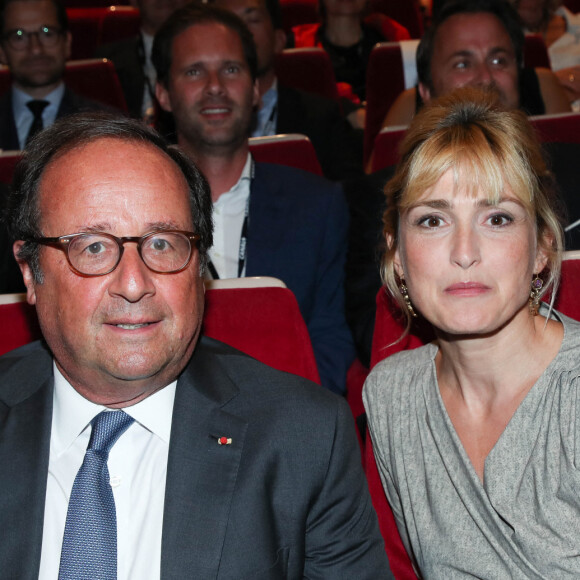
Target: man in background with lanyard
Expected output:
[270,220]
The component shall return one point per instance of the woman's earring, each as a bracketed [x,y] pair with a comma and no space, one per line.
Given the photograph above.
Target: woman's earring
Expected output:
[537,284]
[405,295]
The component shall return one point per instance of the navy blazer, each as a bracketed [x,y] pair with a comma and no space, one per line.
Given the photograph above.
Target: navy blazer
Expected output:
[298,225]
[287,499]
[70,103]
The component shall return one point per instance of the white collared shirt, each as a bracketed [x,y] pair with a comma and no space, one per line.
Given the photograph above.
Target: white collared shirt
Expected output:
[228,218]
[23,116]
[137,467]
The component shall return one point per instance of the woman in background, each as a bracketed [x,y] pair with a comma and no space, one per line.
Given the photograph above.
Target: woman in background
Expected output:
[476,435]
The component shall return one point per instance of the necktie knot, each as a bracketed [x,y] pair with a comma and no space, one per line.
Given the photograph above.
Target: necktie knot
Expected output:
[37,106]
[108,426]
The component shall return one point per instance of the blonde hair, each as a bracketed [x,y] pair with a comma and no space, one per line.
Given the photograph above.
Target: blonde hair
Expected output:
[468,133]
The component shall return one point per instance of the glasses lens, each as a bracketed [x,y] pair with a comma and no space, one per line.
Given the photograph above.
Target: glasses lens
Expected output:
[48,36]
[166,251]
[93,254]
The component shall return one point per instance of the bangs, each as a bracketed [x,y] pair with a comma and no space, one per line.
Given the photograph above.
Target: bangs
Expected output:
[479,162]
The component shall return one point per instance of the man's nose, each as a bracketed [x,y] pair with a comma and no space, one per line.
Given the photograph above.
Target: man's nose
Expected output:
[131,280]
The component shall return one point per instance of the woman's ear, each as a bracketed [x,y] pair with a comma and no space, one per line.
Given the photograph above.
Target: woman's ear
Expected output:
[397,264]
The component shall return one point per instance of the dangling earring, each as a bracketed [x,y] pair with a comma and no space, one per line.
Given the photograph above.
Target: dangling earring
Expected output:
[405,295]
[537,284]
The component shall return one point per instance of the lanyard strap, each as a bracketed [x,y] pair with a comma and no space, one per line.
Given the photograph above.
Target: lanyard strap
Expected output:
[242,251]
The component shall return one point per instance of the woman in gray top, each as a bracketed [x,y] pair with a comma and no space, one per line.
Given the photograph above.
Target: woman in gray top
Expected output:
[476,435]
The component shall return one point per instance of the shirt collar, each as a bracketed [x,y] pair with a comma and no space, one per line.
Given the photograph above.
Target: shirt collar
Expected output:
[20,98]
[241,190]
[72,413]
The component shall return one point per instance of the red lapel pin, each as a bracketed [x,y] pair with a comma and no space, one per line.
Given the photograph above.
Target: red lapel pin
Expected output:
[224,441]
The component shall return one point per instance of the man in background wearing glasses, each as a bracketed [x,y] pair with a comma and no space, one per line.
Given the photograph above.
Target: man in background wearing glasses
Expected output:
[35,44]
[130,447]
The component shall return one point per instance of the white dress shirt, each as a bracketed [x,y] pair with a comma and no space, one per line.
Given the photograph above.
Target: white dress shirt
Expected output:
[137,467]
[228,218]
[23,116]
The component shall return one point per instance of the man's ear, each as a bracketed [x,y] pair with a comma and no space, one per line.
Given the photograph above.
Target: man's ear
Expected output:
[162,95]
[425,92]
[279,40]
[26,273]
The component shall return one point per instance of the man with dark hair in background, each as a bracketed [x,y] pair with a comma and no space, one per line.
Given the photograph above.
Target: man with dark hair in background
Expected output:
[271,220]
[35,44]
[284,109]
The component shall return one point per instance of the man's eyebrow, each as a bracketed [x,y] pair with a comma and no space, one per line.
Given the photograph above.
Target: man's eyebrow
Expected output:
[106,227]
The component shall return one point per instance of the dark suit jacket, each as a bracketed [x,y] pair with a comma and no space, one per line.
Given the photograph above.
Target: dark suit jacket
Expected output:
[70,103]
[297,232]
[337,147]
[287,499]
[128,57]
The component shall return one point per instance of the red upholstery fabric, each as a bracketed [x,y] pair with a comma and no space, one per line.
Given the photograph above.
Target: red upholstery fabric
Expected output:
[398,558]
[386,150]
[296,12]
[19,326]
[385,82]
[563,127]
[535,52]
[94,79]
[262,322]
[308,69]
[8,162]
[405,12]
[119,23]
[294,151]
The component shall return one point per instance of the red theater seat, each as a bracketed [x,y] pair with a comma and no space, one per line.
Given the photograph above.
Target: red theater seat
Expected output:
[293,150]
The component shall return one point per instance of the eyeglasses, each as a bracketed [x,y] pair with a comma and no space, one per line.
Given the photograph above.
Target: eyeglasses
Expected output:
[164,252]
[19,39]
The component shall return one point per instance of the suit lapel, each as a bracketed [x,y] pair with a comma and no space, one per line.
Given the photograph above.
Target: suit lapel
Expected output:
[24,453]
[201,474]
[268,221]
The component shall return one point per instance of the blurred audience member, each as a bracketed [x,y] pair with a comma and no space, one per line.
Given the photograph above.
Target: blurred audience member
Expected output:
[348,38]
[478,43]
[132,57]
[35,44]
[560,30]
[284,109]
[270,220]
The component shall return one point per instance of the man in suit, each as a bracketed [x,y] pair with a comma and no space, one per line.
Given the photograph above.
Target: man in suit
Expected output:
[132,57]
[35,44]
[210,464]
[284,109]
[270,220]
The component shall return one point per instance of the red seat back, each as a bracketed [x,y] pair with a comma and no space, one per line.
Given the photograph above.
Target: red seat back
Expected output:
[297,12]
[308,69]
[292,150]
[407,13]
[94,79]
[535,52]
[385,82]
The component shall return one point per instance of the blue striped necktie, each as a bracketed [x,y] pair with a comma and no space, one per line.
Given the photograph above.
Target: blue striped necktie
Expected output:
[89,548]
